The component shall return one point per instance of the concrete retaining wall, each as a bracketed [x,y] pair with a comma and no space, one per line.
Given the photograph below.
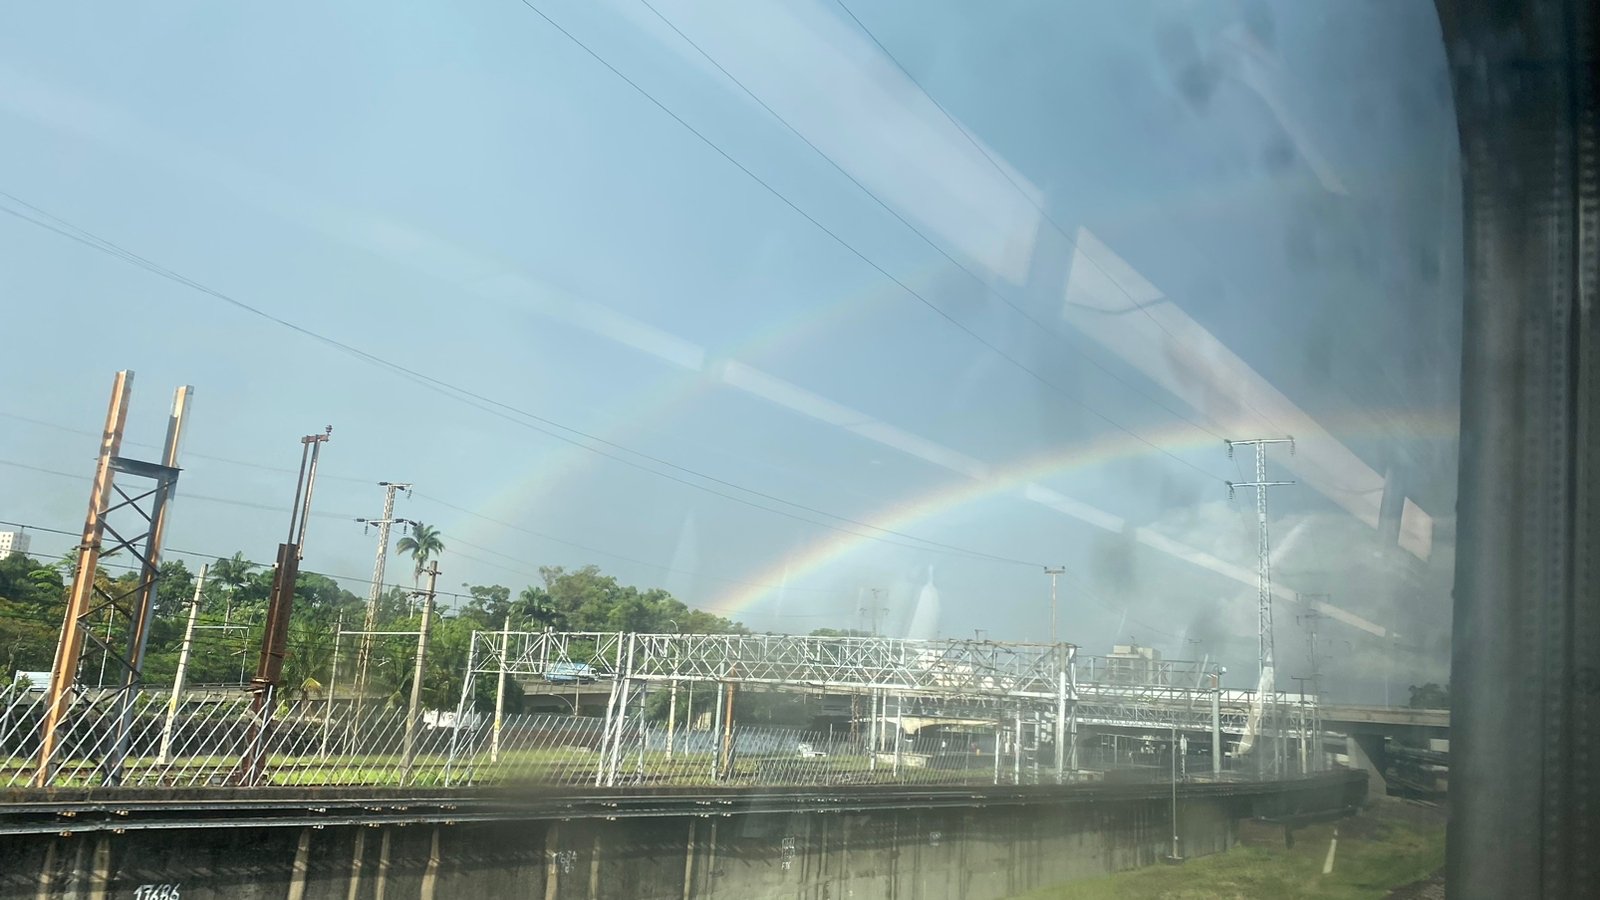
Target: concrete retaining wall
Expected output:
[988,851]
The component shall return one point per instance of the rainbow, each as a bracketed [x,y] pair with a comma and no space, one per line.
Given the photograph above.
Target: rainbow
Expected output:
[657,401]
[1023,479]
[663,397]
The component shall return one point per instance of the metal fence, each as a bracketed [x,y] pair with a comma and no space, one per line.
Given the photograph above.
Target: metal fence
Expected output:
[219,741]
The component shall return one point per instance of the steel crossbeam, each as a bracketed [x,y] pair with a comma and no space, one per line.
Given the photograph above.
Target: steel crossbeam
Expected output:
[952,668]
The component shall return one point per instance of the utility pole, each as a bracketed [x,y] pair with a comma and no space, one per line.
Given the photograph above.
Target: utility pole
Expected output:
[183,668]
[1310,619]
[1264,640]
[1216,722]
[1053,571]
[280,606]
[500,684]
[1300,687]
[364,654]
[1175,857]
[870,613]
[422,661]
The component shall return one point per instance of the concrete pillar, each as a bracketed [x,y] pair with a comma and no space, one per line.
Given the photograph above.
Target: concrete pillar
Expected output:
[358,858]
[1366,752]
[100,875]
[688,863]
[552,863]
[594,868]
[430,874]
[47,875]
[381,885]
[302,862]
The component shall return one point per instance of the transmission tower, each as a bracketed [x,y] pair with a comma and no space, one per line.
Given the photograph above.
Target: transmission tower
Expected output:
[364,653]
[135,520]
[1264,642]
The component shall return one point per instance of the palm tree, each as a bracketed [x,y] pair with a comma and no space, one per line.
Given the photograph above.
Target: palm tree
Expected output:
[231,572]
[423,544]
[533,606]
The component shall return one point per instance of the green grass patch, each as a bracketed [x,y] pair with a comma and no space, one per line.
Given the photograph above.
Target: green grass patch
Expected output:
[1390,844]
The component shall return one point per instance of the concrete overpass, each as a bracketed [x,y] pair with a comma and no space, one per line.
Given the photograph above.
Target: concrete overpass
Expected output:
[1369,729]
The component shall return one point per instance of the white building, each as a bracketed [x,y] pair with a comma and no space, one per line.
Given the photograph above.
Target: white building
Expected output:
[13,542]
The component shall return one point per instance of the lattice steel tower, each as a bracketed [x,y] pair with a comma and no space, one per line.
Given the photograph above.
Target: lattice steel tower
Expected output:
[1264,643]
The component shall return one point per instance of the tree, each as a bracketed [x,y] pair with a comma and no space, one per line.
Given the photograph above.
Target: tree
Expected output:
[490,603]
[534,609]
[232,573]
[423,543]
[1430,696]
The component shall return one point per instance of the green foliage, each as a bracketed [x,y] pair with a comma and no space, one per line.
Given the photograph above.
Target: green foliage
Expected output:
[422,544]
[1380,849]
[1430,696]
[233,607]
[588,600]
[32,602]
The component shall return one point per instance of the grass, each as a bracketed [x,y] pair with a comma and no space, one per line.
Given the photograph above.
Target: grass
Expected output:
[546,765]
[1386,846]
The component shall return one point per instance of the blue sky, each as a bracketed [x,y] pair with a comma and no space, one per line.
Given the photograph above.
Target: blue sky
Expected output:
[833,334]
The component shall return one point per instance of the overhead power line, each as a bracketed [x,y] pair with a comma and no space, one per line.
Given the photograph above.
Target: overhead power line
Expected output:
[1059,228]
[512,413]
[854,251]
[981,282]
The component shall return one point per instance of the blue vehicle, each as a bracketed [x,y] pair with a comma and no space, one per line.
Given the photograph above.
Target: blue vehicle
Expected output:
[570,673]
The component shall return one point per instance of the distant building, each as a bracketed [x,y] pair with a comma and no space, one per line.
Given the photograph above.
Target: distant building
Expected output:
[1133,664]
[13,542]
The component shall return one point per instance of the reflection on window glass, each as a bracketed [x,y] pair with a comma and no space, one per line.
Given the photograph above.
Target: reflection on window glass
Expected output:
[1133,327]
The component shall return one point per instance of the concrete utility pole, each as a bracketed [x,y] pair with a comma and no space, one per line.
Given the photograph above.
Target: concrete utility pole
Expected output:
[1264,638]
[1302,730]
[183,668]
[364,654]
[500,686]
[1310,619]
[1053,571]
[1216,723]
[1175,857]
[415,705]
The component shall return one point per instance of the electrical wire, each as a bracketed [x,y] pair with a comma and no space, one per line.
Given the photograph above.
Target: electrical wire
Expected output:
[977,145]
[853,250]
[982,283]
[511,413]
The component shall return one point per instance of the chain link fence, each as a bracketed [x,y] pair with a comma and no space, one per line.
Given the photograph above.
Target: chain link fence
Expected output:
[222,741]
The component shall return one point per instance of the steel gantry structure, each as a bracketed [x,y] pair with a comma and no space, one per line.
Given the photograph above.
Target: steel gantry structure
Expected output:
[1004,682]
[1039,677]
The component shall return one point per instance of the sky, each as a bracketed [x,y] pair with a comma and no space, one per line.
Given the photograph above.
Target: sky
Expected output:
[781,306]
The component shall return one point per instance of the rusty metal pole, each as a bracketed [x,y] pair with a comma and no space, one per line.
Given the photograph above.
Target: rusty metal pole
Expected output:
[70,647]
[280,606]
